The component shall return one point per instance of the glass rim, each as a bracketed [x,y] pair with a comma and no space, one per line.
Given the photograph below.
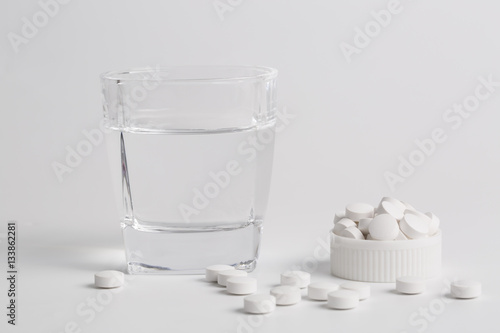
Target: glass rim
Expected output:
[130,75]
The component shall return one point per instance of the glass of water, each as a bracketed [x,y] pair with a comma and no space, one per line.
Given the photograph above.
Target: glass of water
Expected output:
[190,151]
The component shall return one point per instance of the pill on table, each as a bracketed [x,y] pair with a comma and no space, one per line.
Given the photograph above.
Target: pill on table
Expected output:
[286,295]
[401,236]
[363,289]
[465,289]
[338,216]
[387,207]
[410,285]
[211,272]
[319,291]
[109,279]
[343,299]
[363,225]
[259,303]
[434,223]
[383,227]
[414,226]
[295,278]
[223,276]
[343,224]
[358,210]
[352,232]
[241,285]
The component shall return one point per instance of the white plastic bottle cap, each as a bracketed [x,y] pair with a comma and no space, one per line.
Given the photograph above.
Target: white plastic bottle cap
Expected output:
[410,285]
[319,291]
[109,279]
[295,278]
[358,210]
[363,225]
[286,295]
[338,216]
[343,299]
[211,272]
[363,289]
[223,276]
[343,224]
[383,227]
[259,303]
[414,226]
[465,289]
[241,285]
[434,224]
[352,232]
[387,207]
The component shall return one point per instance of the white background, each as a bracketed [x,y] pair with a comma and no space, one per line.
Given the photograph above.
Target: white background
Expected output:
[352,122]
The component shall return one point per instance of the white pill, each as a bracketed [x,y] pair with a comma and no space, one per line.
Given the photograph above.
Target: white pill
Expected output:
[352,232]
[363,225]
[343,299]
[410,285]
[241,285]
[259,303]
[338,216]
[401,236]
[419,214]
[319,291]
[363,289]
[286,295]
[465,289]
[357,211]
[397,203]
[223,276]
[408,206]
[211,272]
[434,224]
[343,224]
[296,278]
[414,226]
[109,279]
[387,207]
[383,227]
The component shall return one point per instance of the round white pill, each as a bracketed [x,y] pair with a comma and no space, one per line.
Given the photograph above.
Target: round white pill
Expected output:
[223,276]
[401,236]
[383,227]
[338,216]
[434,223]
[343,224]
[352,232]
[410,285]
[286,295]
[387,207]
[361,288]
[319,291]
[363,225]
[241,285]
[424,217]
[414,226]
[259,303]
[465,289]
[397,203]
[357,211]
[343,299]
[295,278]
[109,279]
[211,272]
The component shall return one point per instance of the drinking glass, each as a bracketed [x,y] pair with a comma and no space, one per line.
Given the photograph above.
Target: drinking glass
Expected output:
[190,151]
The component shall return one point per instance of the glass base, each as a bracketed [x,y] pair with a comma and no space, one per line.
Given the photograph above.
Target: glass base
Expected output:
[188,251]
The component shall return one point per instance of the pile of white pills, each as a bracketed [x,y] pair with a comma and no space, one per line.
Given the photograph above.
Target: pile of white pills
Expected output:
[391,220]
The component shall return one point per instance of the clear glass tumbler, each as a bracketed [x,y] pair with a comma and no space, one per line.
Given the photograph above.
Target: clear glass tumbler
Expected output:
[191,151]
